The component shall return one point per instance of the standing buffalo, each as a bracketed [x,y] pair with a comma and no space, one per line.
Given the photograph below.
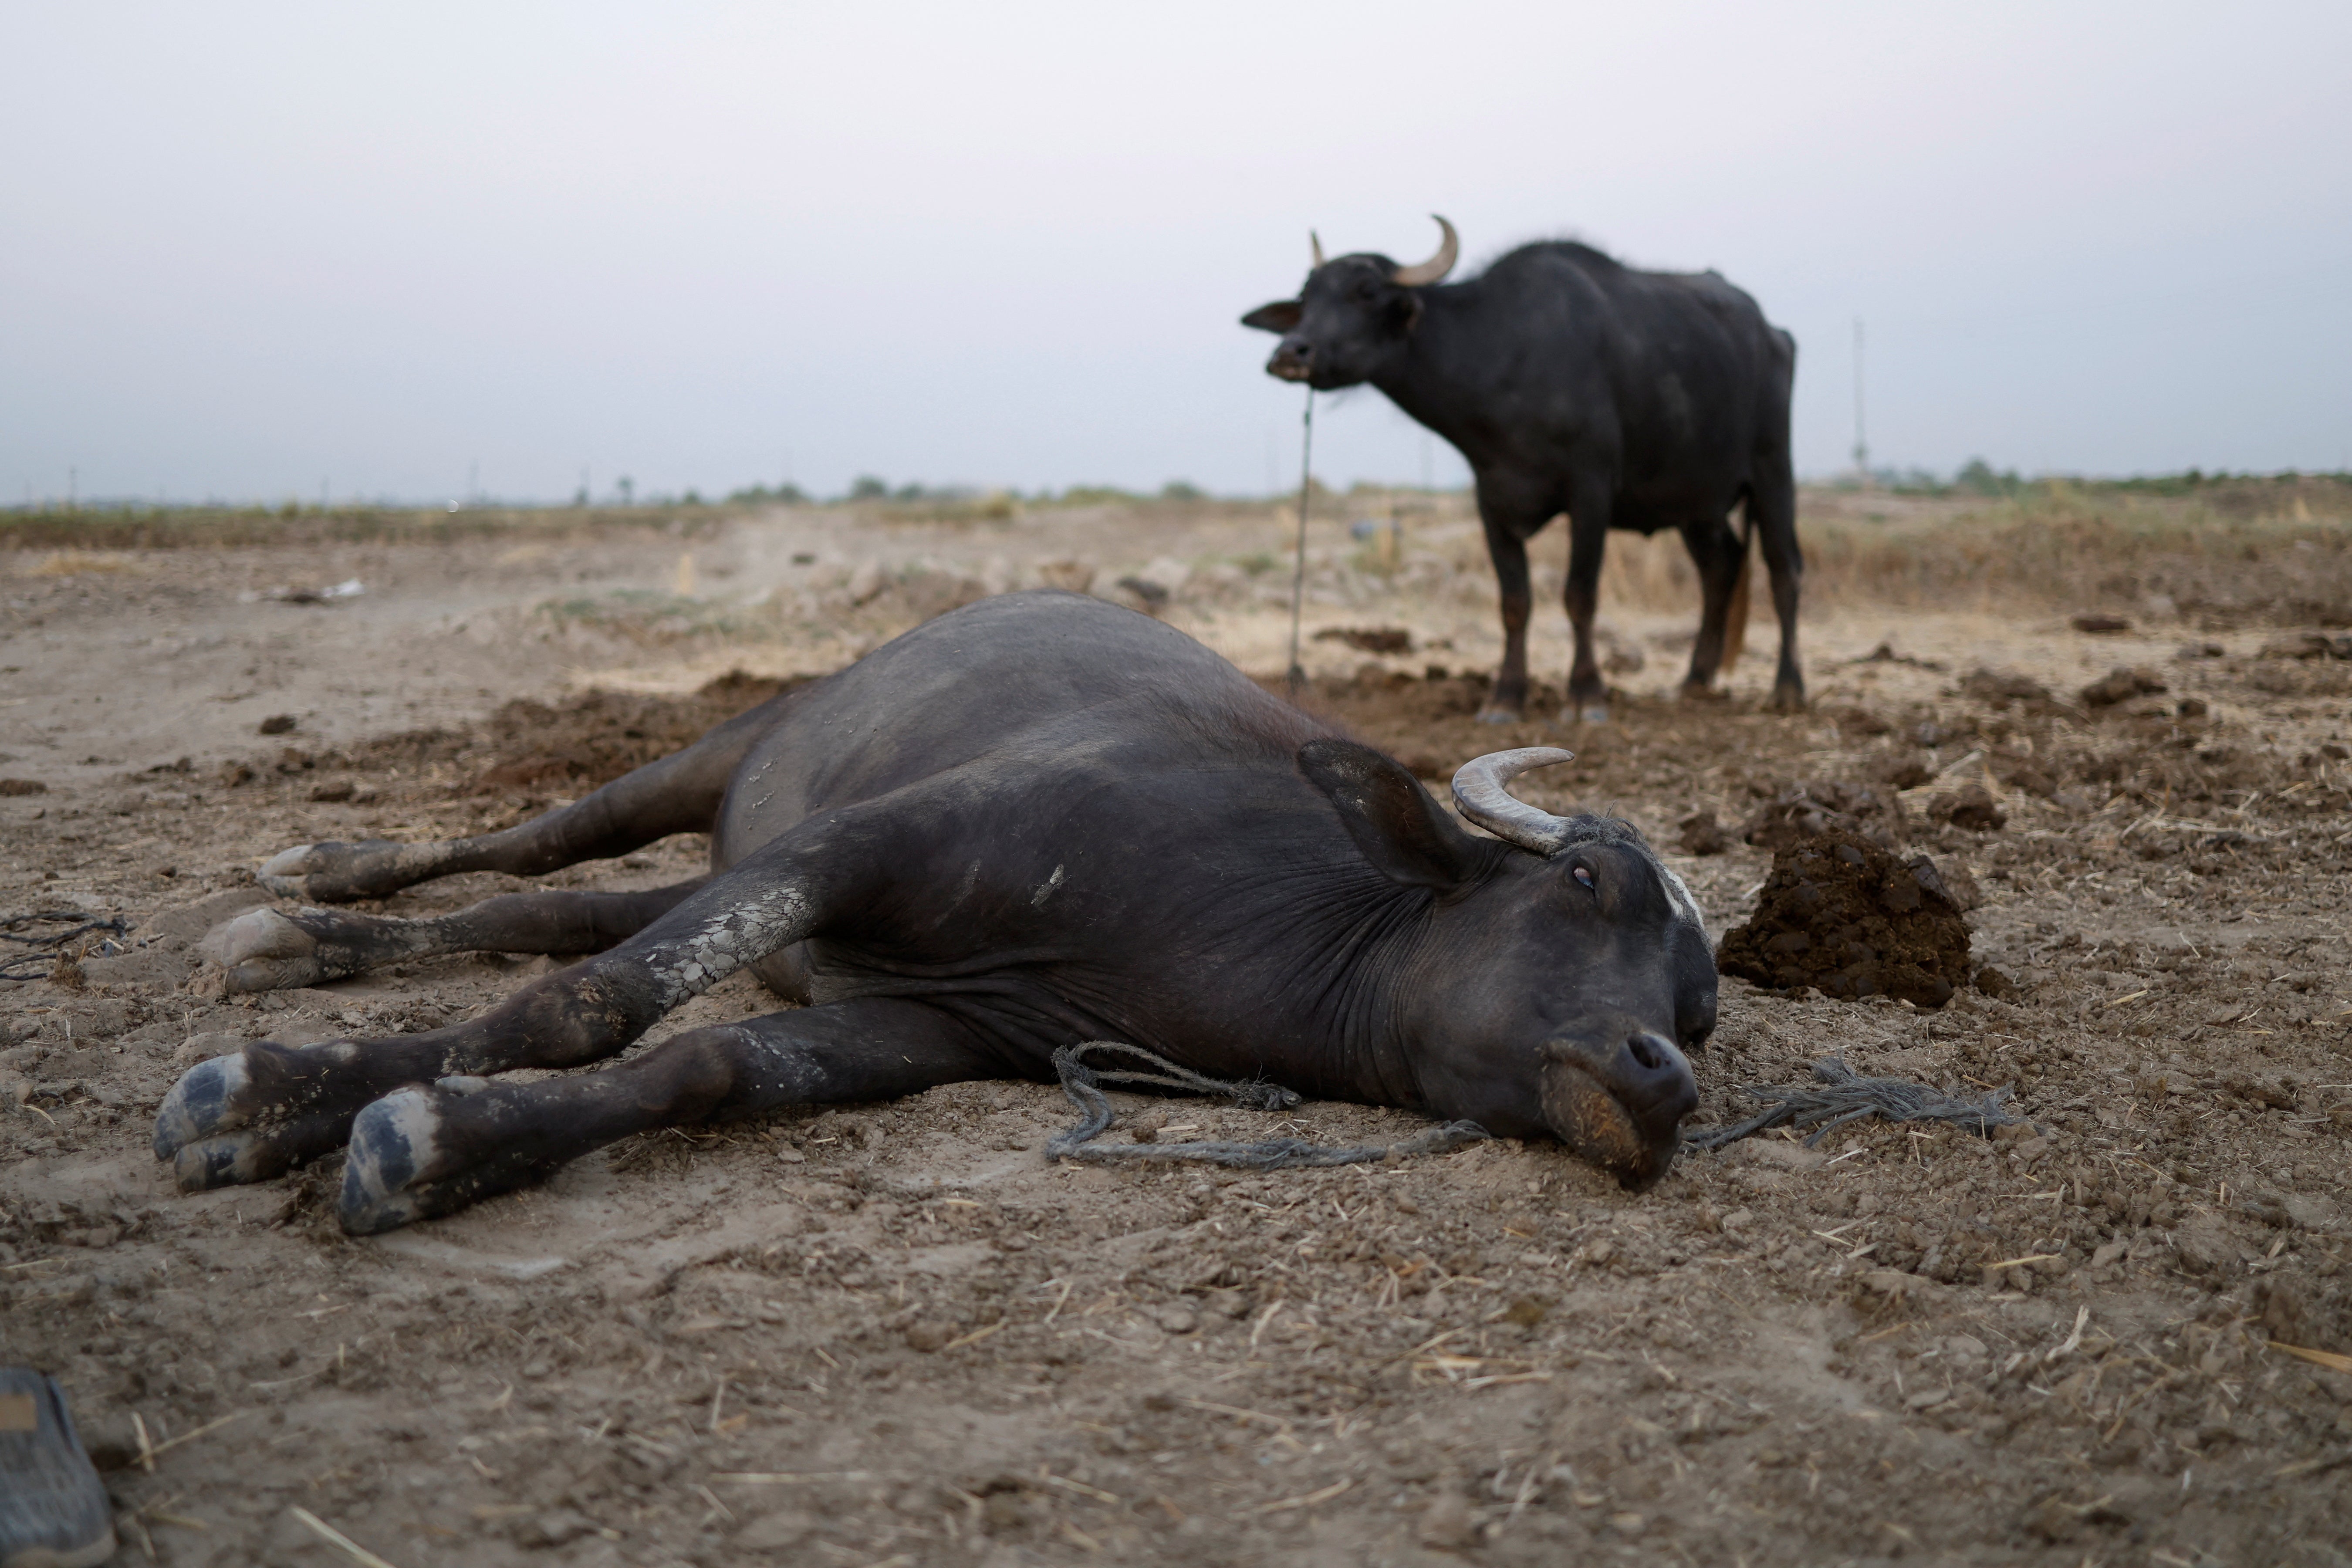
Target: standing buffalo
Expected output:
[1034,821]
[1639,400]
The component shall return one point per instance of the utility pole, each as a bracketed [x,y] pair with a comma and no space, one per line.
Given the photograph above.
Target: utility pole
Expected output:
[1861,447]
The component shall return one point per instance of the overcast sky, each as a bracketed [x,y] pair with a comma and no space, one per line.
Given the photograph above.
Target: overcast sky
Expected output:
[248,250]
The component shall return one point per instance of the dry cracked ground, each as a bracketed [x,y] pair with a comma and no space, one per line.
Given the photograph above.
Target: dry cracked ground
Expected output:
[896,1333]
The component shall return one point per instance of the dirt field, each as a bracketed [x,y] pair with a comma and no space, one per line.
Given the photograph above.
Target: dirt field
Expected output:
[895,1335]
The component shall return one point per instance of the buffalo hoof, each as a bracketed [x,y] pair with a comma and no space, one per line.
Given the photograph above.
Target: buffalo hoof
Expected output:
[211,1097]
[238,1158]
[263,950]
[1589,713]
[1787,699]
[1494,714]
[337,873]
[407,1161]
[248,1116]
[394,1146]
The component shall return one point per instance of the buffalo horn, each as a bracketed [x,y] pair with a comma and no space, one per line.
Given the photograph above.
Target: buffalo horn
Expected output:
[1479,790]
[1315,243]
[1435,269]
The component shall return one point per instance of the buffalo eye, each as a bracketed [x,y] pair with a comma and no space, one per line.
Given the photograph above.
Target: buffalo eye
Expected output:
[1366,292]
[1584,875]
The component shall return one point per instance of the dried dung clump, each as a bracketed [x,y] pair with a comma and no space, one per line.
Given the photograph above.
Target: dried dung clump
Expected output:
[1842,914]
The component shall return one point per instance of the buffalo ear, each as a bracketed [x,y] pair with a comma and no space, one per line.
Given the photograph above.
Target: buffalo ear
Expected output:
[1400,830]
[1279,317]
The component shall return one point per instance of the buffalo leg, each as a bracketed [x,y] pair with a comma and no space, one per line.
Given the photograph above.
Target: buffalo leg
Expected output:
[679,793]
[248,1116]
[264,950]
[1588,542]
[1507,545]
[1774,501]
[1719,555]
[430,1148]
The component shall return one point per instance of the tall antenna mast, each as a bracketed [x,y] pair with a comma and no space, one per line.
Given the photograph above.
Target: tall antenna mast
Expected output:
[1861,447]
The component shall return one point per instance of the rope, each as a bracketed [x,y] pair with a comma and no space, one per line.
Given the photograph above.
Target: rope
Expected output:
[1846,1096]
[1297,676]
[33,966]
[1083,1085]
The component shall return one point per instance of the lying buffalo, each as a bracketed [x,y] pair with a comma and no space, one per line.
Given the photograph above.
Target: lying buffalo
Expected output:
[1626,399]
[1037,820]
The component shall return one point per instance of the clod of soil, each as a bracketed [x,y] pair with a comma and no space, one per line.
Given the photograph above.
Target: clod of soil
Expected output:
[2307,644]
[2102,625]
[1999,687]
[2121,685]
[1809,809]
[1971,805]
[1368,639]
[1703,835]
[1841,914]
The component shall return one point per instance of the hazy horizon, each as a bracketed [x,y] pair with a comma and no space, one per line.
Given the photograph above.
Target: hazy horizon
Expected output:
[256,249]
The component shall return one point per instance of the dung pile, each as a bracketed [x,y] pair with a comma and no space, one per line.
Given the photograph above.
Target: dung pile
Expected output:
[1842,914]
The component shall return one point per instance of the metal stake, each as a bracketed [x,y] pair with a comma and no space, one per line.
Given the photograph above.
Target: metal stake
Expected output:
[1297,676]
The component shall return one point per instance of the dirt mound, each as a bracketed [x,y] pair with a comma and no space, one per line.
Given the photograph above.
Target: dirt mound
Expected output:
[1842,914]
[594,738]
[573,745]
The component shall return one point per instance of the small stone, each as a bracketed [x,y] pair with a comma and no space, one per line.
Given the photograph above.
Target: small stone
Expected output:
[2205,1249]
[779,1532]
[1447,1523]
[928,1338]
[1176,1320]
[1780,1154]
[279,724]
[556,1527]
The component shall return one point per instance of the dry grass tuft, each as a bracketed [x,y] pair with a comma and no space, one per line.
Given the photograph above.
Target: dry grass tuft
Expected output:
[75,563]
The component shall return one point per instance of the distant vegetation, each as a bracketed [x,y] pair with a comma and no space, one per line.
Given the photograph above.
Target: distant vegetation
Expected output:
[2180,498]
[1978,477]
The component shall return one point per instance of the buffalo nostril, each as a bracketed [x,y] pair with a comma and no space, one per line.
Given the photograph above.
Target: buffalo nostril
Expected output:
[1653,1080]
